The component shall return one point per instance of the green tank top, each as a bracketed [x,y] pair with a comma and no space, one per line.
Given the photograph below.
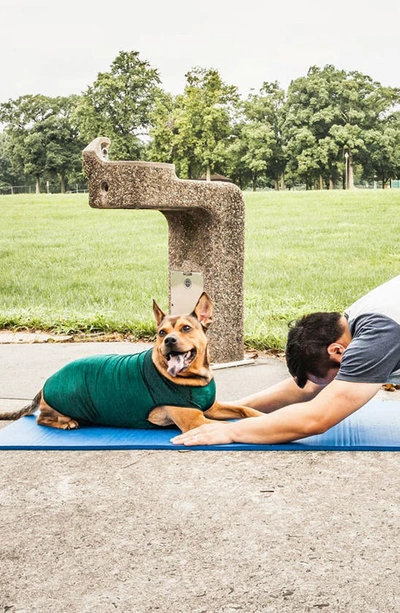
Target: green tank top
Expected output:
[119,390]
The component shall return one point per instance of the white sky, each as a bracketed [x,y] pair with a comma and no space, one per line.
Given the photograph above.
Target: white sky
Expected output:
[58,48]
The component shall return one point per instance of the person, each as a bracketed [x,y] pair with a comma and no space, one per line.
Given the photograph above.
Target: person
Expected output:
[337,363]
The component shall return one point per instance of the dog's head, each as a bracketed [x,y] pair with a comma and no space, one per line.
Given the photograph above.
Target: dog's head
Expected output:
[181,349]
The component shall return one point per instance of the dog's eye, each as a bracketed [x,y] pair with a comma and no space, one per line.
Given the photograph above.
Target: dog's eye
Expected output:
[162,333]
[186,328]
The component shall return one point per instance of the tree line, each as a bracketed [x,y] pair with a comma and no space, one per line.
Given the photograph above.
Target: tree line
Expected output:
[329,129]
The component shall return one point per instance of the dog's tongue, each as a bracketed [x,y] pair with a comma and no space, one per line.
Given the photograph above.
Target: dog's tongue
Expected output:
[176,363]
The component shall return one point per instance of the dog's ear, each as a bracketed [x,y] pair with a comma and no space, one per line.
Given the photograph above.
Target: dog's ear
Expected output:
[204,310]
[158,313]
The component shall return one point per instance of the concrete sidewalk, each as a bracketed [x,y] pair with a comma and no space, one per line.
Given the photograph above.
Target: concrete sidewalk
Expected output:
[198,532]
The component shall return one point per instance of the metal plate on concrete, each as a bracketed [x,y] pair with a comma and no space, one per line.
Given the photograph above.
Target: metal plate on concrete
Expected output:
[186,288]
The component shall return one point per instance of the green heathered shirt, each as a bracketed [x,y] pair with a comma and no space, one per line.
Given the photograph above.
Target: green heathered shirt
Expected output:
[119,390]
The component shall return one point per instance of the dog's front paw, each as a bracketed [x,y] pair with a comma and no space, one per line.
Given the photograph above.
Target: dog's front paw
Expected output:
[71,425]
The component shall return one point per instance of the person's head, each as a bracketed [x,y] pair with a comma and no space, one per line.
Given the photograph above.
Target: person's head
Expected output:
[310,348]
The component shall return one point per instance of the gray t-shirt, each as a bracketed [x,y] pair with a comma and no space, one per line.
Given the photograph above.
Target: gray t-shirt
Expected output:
[373,354]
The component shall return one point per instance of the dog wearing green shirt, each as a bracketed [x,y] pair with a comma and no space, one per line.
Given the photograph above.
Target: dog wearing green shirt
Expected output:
[171,383]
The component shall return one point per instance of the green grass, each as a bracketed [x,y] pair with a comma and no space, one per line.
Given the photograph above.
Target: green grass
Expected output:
[65,267]
[310,251]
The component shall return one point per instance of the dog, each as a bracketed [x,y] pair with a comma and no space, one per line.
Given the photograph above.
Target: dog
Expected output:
[169,384]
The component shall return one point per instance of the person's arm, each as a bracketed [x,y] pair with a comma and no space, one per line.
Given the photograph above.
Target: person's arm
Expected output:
[335,402]
[280,395]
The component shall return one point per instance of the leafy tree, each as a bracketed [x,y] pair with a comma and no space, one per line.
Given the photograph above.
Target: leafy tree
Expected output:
[120,104]
[303,163]
[383,145]
[364,106]
[25,148]
[162,146]
[338,109]
[237,161]
[42,138]
[195,133]
[260,134]
[9,177]
[63,143]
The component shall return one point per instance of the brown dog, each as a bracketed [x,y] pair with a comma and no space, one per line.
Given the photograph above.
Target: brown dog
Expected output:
[171,383]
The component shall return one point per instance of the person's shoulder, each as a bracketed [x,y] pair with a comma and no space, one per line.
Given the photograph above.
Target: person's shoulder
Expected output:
[373,322]
[384,299]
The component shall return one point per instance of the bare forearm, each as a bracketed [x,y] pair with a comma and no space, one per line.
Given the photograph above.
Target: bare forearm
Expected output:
[280,395]
[304,419]
[281,426]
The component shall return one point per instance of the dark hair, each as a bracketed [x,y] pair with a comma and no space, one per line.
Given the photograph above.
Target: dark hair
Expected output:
[308,340]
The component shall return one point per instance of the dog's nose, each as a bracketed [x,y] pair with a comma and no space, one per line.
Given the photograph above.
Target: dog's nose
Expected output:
[170,340]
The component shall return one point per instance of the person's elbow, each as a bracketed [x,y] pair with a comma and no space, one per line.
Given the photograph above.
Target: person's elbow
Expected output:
[316,425]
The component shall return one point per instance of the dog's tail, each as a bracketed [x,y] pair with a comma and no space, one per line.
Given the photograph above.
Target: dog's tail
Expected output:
[27,410]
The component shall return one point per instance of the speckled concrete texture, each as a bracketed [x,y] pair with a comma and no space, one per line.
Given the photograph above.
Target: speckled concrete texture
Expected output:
[205,225]
[204,532]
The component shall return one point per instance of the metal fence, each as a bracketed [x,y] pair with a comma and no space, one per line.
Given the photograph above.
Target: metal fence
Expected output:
[31,189]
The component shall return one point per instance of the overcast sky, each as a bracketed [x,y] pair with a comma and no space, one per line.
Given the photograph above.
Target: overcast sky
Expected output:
[58,48]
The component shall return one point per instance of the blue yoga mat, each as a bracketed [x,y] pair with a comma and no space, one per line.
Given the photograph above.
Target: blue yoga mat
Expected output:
[375,427]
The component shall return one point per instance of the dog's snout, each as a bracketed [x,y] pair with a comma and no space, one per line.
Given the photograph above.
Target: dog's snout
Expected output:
[170,340]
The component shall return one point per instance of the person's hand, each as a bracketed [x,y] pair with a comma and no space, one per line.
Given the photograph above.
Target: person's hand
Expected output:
[209,434]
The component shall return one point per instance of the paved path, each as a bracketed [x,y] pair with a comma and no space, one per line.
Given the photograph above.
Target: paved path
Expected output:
[199,532]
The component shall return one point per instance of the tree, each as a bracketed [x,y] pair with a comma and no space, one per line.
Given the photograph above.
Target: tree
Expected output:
[303,159]
[9,177]
[338,109]
[162,146]
[42,138]
[236,163]
[383,146]
[195,134]
[63,143]
[120,104]
[25,148]
[364,105]
[260,134]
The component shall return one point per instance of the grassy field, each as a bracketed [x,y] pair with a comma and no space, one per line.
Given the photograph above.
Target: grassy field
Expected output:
[65,267]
